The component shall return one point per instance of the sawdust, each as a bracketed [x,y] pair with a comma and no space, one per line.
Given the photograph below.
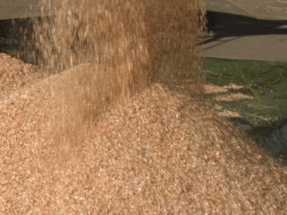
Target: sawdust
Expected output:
[233,97]
[15,74]
[98,139]
[210,88]
[158,153]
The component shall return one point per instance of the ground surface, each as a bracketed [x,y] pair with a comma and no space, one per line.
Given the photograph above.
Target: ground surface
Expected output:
[264,85]
[249,30]
[253,95]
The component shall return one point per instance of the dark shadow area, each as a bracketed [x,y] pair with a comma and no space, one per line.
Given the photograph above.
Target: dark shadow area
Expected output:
[232,25]
[272,137]
[275,142]
[16,38]
[16,28]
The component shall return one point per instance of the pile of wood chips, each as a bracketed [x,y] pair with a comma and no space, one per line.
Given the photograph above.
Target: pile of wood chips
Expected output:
[15,74]
[86,141]
[158,152]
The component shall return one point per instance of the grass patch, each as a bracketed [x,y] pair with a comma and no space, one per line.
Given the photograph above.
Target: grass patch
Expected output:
[266,82]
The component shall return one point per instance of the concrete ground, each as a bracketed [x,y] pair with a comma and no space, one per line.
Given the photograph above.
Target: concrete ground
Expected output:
[247,29]
[11,9]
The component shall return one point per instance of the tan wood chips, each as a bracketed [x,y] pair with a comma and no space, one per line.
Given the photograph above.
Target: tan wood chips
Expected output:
[102,138]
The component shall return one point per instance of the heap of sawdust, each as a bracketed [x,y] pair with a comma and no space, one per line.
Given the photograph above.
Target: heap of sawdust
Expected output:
[158,153]
[15,74]
[57,108]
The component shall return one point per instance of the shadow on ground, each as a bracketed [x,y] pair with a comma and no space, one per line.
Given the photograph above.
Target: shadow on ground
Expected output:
[231,25]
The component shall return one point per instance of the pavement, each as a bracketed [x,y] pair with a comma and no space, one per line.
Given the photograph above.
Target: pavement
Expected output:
[12,9]
[246,30]
[238,29]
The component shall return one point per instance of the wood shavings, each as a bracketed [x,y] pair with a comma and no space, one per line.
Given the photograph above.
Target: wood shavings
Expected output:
[84,141]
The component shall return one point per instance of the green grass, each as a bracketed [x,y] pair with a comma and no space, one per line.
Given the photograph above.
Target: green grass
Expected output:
[265,81]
